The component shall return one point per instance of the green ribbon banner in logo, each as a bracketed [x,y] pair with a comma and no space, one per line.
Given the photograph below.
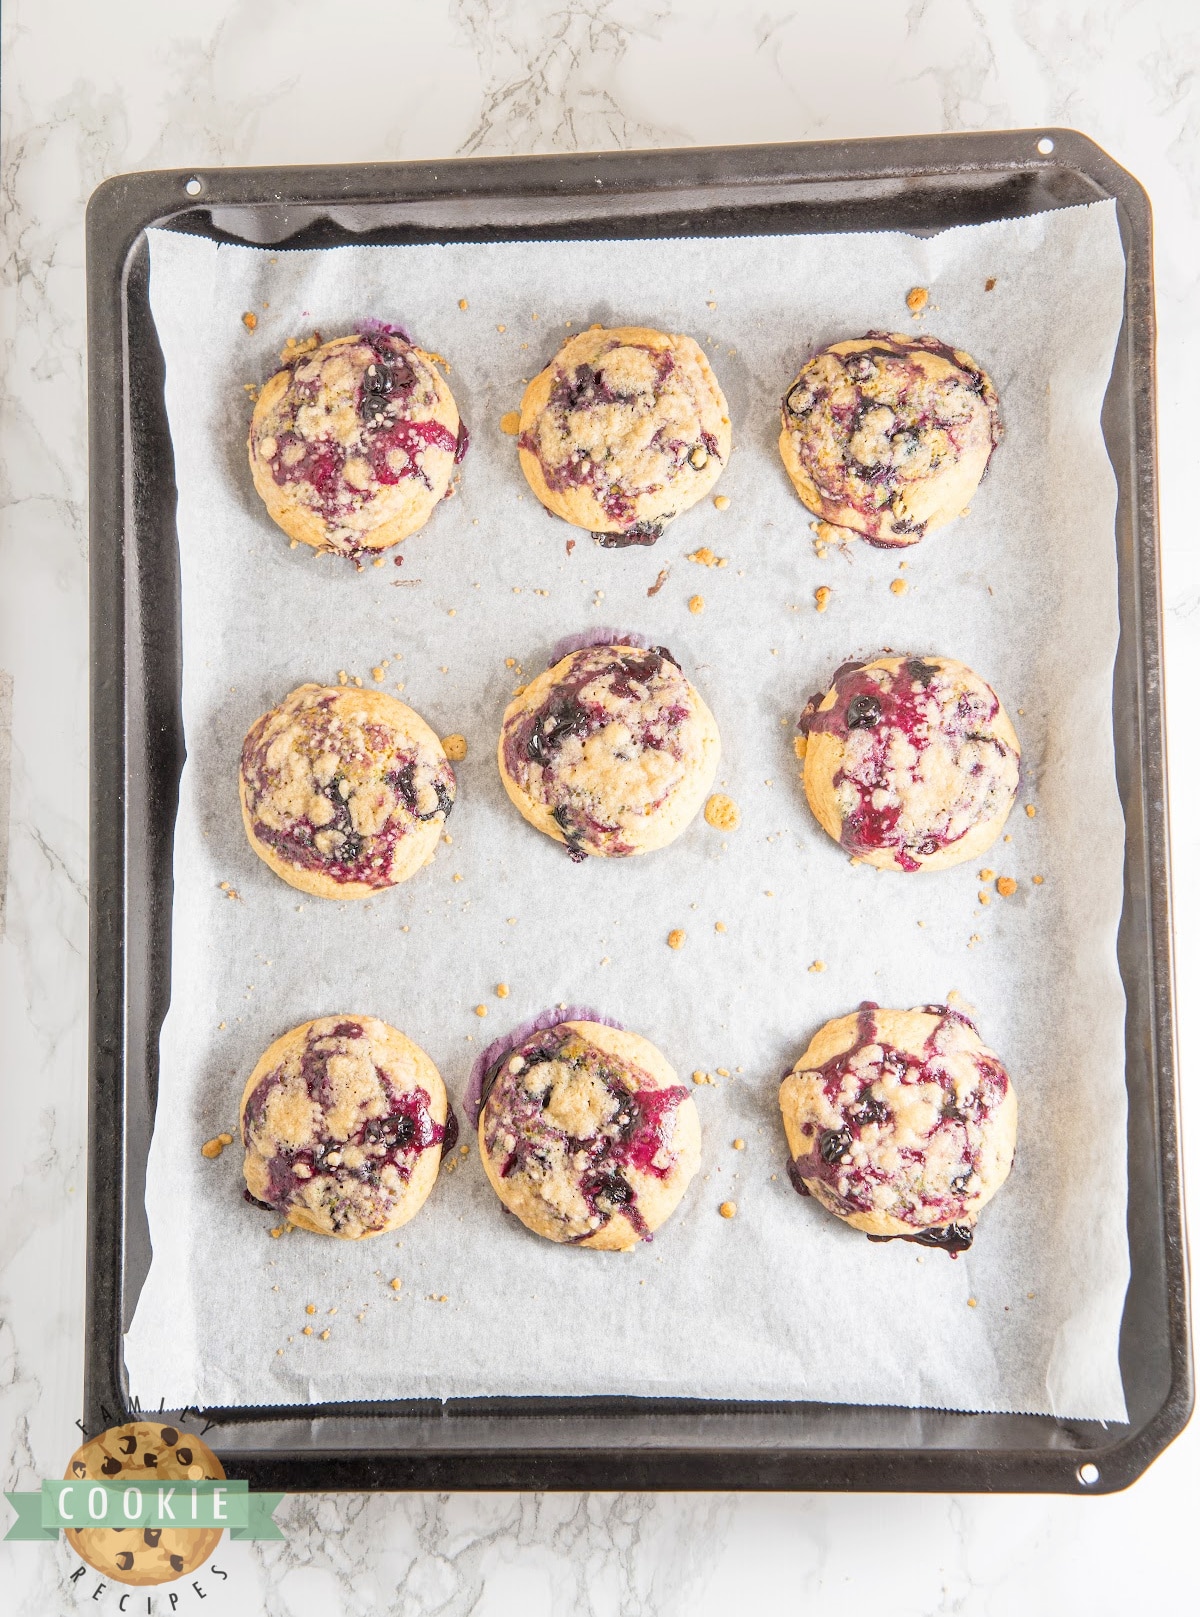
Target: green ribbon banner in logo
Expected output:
[147,1503]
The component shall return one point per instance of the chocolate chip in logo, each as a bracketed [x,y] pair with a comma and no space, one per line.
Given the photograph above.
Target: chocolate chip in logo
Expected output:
[128,1443]
[149,1459]
[124,1560]
[177,1563]
[169,1436]
[111,1466]
[184,1456]
[152,1536]
[78,1467]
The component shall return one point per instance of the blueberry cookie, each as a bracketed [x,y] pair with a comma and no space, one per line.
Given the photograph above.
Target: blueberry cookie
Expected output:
[911,763]
[141,1451]
[353,443]
[343,1120]
[623,430]
[344,791]
[902,1123]
[587,1135]
[610,751]
[889,436]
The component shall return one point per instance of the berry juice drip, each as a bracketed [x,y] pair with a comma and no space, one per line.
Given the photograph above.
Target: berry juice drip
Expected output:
[951,1238]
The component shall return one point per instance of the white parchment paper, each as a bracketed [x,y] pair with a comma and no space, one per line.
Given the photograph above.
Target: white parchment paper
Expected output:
[780,1301]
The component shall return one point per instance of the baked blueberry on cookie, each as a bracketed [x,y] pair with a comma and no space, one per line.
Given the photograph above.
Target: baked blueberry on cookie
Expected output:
[343,1120]
[144,1451]
[889,436]
[911,763]
[902,1123]
[353,443]
[586,1134]
[623,430]
[344,791]
[610,751]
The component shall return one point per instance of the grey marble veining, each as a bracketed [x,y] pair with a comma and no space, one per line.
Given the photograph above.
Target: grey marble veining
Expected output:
[90,91]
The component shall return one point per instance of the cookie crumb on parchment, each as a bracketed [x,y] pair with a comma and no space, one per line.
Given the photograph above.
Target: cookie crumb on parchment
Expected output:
[704,557]
[296,347]
[721,501]
[728,1209]
[455,747]
[676,938]
[510,422]
[1006,886]
[214,1147]
[696,604]
[917,298]
[250,320]
[659,581]
[722,812]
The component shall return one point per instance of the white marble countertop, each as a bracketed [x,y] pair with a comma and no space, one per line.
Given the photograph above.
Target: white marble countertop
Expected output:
[90,91]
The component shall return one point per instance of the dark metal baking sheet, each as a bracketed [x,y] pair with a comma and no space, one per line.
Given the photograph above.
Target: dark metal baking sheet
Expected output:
[919,184]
